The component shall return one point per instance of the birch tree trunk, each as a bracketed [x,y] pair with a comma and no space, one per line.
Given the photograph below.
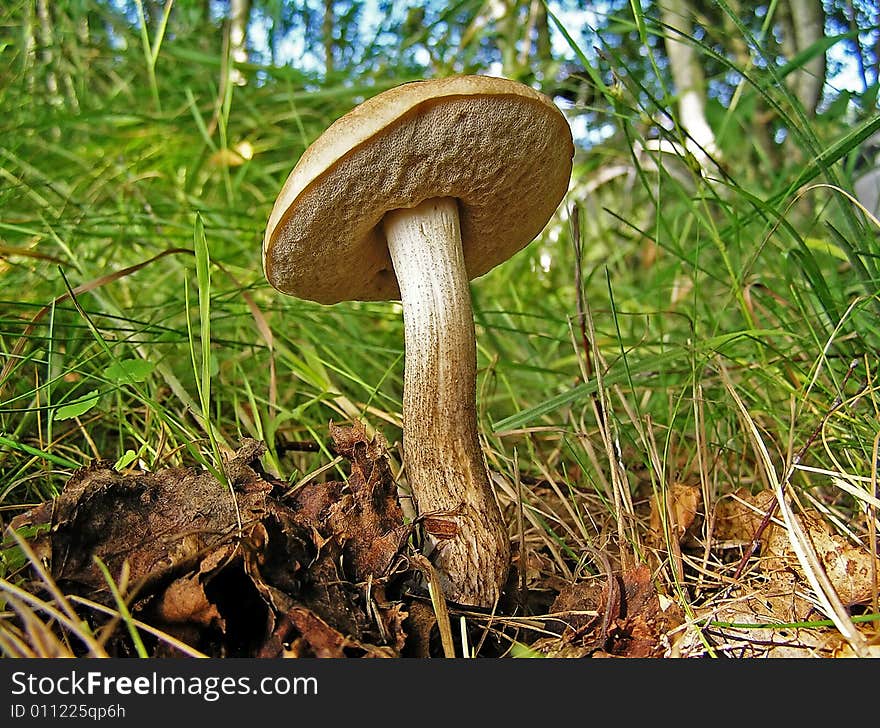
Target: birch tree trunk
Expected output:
[240,11]
[689,80]
[47,43]
[808,27]
[327,25]
[537,33]
[30,47]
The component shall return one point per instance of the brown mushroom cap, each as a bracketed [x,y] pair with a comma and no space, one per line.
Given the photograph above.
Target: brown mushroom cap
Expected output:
[502,149]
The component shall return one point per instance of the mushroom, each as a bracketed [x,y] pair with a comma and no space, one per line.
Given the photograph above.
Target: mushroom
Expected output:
[410,195]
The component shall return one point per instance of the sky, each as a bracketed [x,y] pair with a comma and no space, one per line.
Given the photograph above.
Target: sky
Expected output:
[293,49]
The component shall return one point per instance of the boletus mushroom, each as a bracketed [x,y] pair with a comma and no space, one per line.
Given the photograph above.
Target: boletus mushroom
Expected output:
[409,196]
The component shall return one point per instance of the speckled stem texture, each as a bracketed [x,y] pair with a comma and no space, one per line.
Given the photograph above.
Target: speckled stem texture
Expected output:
[441,447]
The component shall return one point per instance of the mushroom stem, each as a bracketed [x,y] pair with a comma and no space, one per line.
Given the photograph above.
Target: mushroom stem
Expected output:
[441,447]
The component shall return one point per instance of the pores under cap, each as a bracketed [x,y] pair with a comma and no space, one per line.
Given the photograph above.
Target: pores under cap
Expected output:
[501,149]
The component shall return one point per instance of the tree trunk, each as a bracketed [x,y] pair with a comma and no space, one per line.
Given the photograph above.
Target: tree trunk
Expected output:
[808,27]
[690,83]
[240,11]
[47,42]
[537,31]
[327,35]
[30,47]
[543,45]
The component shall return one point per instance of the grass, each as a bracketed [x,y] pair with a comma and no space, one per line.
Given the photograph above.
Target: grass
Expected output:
[722,322]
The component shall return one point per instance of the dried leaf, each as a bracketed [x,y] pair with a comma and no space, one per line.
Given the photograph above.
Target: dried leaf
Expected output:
[421,629]
[583,611]
[849,566]
[162,524]
[623,618]
[738,517]
[322,639]
[682,505]
[646,621]
[368,519]
[744,624]
[185,602]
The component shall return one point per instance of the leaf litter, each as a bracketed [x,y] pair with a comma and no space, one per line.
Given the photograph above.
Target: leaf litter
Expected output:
[328,569]
[242,570]
[777,616]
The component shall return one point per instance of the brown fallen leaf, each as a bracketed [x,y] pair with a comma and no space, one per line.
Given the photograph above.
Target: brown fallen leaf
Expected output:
[302,633]
[223,568]
[368,518]
[845,650]
[646,620]
[394,617]
[162,524]
[756,623]
[185,601]
[682,506]
[849,566]
[586,610]
[623,617]
[738,516]
[322,639]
